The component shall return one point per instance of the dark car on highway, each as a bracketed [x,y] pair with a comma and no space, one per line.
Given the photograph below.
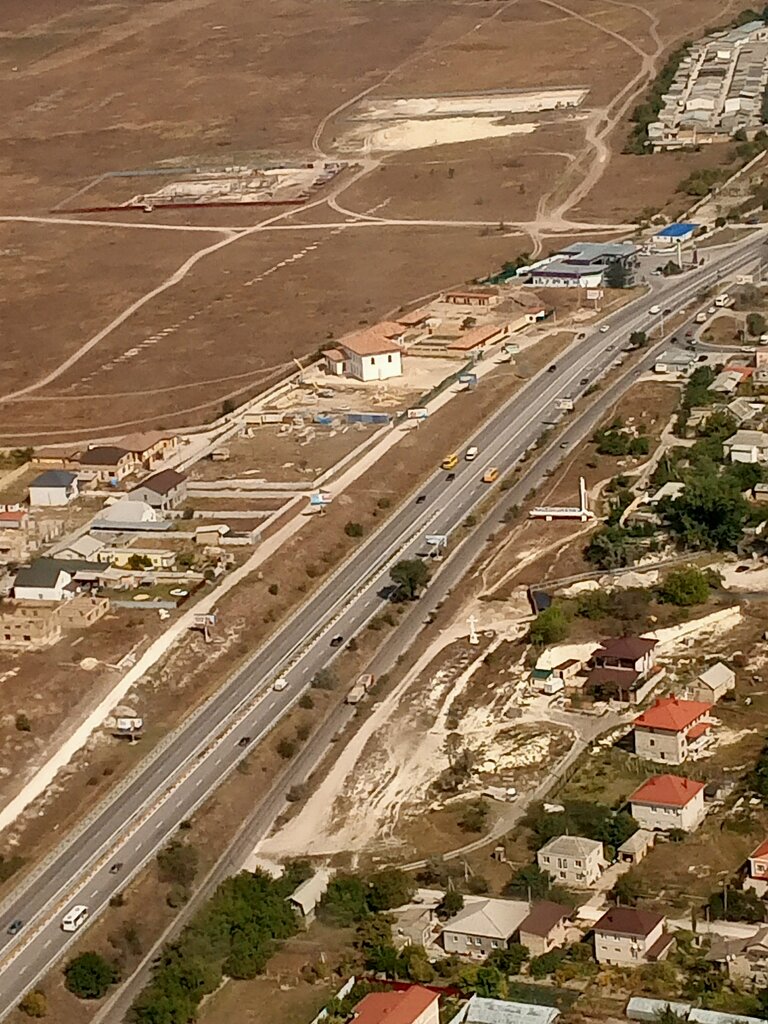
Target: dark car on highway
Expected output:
[15,927]
[337,641]
[552,368]
[450,478]
[421,499]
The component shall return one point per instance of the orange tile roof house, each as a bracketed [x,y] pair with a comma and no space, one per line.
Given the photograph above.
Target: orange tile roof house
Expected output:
[372,354]
[672,730]
[665,802]
[757,876]
[624,935]
[414,1005]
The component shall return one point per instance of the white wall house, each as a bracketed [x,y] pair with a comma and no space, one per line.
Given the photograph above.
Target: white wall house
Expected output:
[668,802]
[54,487]
[749,446]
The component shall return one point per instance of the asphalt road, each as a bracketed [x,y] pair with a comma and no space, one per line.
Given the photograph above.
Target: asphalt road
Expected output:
[132,825]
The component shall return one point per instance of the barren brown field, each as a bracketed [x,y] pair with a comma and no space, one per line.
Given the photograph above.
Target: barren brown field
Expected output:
[90,93]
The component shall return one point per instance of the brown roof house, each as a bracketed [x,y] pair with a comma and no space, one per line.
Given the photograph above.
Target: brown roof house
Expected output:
[545,928]
[625,935]
[165,490]
[107,464]
[624,669]
[149,447]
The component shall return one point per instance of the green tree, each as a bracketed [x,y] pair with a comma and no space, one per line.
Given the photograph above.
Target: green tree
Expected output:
[549,627]
[509,960]
[89,976]
[616,275]
[324,679]
[34,1004]
[473,816]
[23,723]
[756,324]
[685,587]
[546,964]
[344,901]
[611,547]
[354,530]
[389,888]
[638,339]
[627,889]
[410,576]
[737,905]
[451,903]
[529,882]
[710,514]
[177,863]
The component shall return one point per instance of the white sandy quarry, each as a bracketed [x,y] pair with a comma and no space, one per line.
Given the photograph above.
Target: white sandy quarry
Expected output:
[442,131]
[384,774]
[398,125]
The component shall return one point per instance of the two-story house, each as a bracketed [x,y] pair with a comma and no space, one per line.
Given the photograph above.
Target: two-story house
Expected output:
[671,730]
[165,490]
[623,669]
[757,870]
[668,802]
[572,860]
[625,935]
[545,928]
[482,926]
[107,464]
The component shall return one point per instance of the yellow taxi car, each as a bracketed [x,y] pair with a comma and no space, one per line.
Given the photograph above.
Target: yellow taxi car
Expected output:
[490,475]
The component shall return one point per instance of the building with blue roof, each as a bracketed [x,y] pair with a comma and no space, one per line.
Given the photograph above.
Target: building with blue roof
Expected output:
[674,234]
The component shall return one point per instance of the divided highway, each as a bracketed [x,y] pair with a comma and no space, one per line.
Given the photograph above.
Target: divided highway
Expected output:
[134,823]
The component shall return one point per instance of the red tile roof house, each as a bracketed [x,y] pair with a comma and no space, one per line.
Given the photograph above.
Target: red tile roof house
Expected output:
[757,877]
[624,669]
[669,801]
[671,730]
[624,935]
[414,1005]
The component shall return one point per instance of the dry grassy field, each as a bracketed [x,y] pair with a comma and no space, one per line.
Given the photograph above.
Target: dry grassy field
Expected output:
[122,319]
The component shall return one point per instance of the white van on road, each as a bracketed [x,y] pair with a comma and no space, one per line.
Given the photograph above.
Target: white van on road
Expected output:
[74,919]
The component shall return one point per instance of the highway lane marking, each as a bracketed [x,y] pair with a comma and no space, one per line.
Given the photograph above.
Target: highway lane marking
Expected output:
[47,944]
[94,893]
[573,371]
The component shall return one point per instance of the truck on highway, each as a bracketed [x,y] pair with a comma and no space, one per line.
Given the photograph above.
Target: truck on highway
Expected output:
[359,690]
[723,301]
[74,919]
[701,318]
[450,461]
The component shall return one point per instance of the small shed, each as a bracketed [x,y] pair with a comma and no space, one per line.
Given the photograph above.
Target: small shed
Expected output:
[636,847]
[639,1008]
[305,897]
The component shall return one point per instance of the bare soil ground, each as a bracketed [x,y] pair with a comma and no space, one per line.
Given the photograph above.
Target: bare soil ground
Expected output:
[64,128]
[535,550]
[283,457]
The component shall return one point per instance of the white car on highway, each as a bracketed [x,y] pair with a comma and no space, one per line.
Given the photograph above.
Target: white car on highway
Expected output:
[74,919]
[280,684]
[654,310]
[604,329]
